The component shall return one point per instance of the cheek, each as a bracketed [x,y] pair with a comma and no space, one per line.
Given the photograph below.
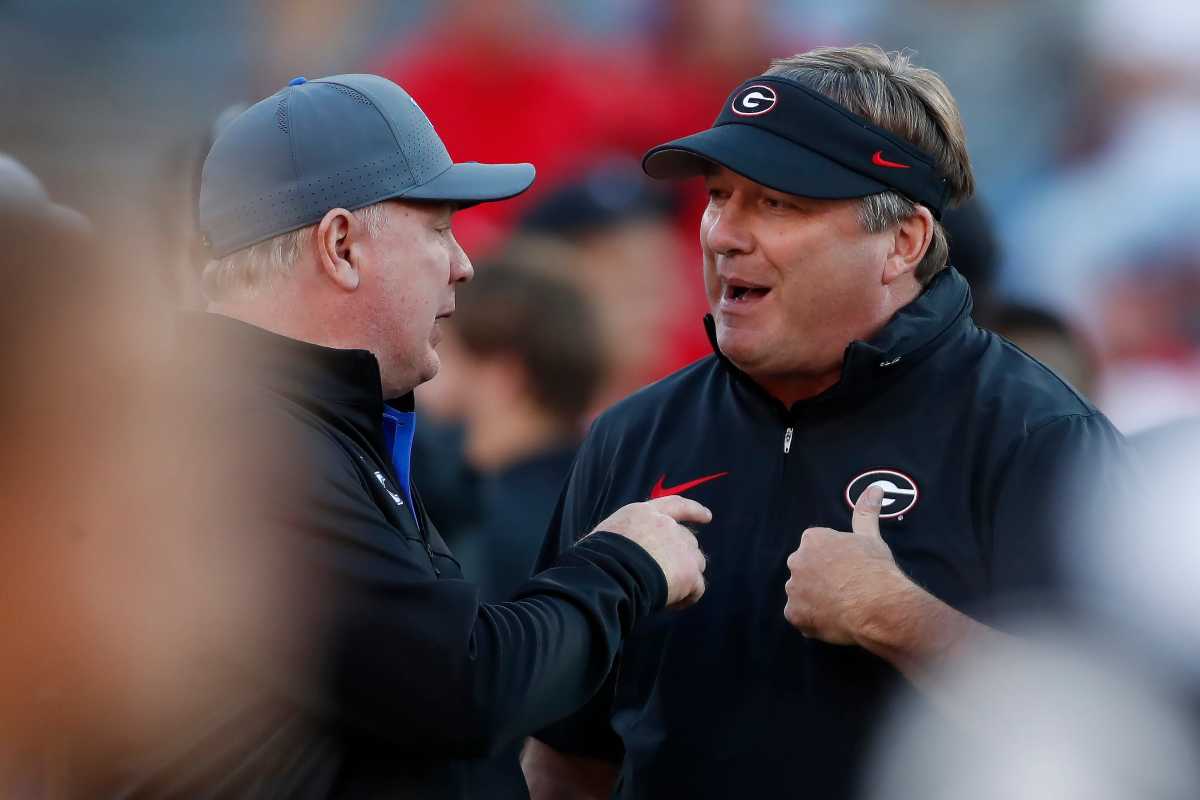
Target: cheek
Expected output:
[711,283]
[708,259]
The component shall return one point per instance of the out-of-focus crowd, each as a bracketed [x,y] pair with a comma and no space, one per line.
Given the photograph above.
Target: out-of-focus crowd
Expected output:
[1078,116]
[1084,248]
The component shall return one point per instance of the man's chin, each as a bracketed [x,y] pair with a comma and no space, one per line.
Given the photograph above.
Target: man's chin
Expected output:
[429,369]
[412,376]
[743,347]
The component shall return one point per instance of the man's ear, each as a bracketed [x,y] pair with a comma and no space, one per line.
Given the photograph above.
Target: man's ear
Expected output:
[910,242]
[336,234]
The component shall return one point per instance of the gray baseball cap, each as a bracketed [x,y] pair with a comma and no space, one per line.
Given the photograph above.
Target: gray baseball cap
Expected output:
[346,141]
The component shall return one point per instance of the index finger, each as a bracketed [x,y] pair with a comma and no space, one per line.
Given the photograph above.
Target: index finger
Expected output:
[681,509]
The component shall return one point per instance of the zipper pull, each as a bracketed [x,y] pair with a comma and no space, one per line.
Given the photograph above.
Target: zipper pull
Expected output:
[787,441]
[429,549]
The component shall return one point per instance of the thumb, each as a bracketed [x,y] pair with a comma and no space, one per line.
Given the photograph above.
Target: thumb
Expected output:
[865,519]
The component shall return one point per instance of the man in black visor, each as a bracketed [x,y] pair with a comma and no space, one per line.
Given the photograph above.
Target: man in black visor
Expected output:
[886,477]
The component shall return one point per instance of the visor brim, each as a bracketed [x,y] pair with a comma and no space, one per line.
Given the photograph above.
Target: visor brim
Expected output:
[763,157]
[471,182]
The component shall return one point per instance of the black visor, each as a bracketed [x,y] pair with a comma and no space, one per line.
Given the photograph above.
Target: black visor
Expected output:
[792,139]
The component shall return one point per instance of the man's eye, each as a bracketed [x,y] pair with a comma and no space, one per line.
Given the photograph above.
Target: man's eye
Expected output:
[717,194]
[776,204]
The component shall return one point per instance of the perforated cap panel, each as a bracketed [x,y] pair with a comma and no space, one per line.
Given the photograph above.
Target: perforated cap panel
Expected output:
[346,141]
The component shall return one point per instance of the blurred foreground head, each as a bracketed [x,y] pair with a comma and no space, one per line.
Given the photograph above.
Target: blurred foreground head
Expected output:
[1050,716]
[113,599]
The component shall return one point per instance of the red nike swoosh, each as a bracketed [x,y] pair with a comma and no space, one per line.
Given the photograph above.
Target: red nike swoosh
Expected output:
[879,161]
[664,491]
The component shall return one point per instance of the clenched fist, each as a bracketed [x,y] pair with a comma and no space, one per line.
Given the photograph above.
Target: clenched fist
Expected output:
[838,579]
[657,525]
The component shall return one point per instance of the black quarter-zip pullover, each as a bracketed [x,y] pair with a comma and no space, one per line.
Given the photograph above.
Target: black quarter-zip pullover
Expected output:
[970,438]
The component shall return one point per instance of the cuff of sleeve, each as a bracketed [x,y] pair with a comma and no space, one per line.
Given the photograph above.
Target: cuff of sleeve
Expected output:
[633,557]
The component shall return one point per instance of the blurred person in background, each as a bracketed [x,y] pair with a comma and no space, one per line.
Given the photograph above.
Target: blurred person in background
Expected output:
[477,62]
[521,360]
[971,45]
[1048,338]
[327,210]
[974,250]
[851,405]
[613,234]
[1111,241]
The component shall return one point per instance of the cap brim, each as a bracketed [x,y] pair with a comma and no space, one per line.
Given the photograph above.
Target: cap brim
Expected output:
[472,182]
[761,156]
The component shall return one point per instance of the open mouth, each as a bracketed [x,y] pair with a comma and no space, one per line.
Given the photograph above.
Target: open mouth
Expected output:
[741,293]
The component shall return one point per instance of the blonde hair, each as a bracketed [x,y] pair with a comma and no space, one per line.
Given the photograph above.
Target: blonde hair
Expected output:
[248,271]
[909,101]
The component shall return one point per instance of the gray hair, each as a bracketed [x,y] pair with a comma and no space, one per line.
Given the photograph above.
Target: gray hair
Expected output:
[911,102]
[246,272]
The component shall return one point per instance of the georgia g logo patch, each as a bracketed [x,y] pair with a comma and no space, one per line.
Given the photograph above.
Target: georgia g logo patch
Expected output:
[754,100]
[900,492]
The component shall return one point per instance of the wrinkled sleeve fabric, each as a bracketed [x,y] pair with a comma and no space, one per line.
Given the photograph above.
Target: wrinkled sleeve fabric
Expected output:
[420,661]
[1050,499]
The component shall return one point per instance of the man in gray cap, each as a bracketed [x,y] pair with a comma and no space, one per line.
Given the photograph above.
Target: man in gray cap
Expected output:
[328,208]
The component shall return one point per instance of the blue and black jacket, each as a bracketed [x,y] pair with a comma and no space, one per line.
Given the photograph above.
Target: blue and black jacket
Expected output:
[394,672]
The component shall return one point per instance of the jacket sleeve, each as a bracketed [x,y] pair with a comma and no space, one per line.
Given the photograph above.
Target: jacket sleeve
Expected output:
[421,662]
[1051,497]
[587,731]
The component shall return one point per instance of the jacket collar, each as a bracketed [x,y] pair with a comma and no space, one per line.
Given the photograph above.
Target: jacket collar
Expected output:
[341,386]
[911,336]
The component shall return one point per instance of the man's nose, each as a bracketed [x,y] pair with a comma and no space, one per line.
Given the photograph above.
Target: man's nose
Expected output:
[727,233]
[461,269]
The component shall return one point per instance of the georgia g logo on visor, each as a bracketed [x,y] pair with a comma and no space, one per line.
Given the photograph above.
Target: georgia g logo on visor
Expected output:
[754,100]
[900,492]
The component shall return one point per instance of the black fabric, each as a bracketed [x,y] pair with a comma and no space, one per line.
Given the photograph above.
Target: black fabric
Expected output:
[403,672]
[499,551]
[728,700]
[798,141]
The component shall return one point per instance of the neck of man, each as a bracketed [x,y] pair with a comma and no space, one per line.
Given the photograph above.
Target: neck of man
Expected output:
[295,319]
[283,307]
[791,389]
